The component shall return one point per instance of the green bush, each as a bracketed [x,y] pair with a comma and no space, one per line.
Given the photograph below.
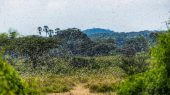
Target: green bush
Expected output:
[81,62]
[11,83]
[135,64]
[155,81]
[102,88]
[50,84]
[105,62]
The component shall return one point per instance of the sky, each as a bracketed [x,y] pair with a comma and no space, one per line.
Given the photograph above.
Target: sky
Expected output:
[117,15]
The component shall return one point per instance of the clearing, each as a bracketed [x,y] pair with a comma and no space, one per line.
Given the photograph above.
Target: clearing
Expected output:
[80,90]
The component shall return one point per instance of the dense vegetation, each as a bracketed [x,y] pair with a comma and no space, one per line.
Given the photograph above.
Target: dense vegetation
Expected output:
[57,60]
[11,83]
[156,81]
[98,34]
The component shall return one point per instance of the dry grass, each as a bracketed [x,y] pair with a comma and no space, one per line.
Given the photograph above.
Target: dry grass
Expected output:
[81,81]
[81,90]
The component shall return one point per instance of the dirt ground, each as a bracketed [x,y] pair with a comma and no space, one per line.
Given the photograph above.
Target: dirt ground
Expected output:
[80,90]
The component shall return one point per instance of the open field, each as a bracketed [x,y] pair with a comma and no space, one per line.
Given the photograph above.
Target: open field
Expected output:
[79,81]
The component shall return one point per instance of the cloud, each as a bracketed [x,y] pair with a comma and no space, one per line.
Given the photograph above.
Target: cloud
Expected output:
[119,15]
[57,4]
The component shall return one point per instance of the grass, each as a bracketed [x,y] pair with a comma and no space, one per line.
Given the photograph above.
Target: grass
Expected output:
[102,83]
[50,84]
[58,75]
[96,83]
[102,88]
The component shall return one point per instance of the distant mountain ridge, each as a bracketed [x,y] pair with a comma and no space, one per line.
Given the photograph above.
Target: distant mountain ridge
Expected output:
[120,37]
[100,31]
[95,31]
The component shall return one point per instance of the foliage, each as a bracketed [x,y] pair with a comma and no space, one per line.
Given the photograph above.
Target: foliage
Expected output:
[103,83]
[49,32]
[135,64]
[57,75]
[3,35]
[13,33]
[33,47]
[67,66]
[102,49]
[51,84]
[81,62]
[161,52]
[5,38]
[73,42]
[134,45]
[11,83]
[155,81]
[97,34]
[102,88]
[98,72]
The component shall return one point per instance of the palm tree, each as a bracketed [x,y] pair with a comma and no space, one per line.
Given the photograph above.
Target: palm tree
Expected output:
[39,30]
[57,30]
[51,33]
[46,30]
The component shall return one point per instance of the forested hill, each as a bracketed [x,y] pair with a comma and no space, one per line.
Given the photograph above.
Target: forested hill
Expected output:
[105,33]
[96,31]
[74,42]
[97,34]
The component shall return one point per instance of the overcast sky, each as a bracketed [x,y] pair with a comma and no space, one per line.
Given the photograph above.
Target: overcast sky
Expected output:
[117,15]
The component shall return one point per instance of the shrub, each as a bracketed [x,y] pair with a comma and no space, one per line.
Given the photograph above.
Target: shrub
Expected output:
[11,83]
[135,64]
[155,81]
[81,62]
[101,88]
[50,84]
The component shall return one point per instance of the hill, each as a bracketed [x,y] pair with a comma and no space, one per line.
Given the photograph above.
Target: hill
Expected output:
[74,42]
[96,31]
[97,34]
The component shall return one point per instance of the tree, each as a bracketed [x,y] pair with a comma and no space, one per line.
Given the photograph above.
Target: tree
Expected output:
[51,32]
[4,36]
[153,36]
[13,33]
[74,42]
[46,30]
[102,49]
[155,81]
[134,45]
[57,30]
[128,50]
[161,52]
[110,40]
[33,47]
[4,40]
[39,30]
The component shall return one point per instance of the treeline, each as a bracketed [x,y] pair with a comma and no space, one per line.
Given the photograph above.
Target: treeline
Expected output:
[68,42]
[99,34]
[109,43]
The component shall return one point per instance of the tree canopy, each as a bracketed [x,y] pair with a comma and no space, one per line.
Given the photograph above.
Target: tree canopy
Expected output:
[155,81]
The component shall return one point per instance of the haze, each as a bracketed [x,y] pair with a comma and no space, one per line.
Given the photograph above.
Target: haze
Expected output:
[117,15]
